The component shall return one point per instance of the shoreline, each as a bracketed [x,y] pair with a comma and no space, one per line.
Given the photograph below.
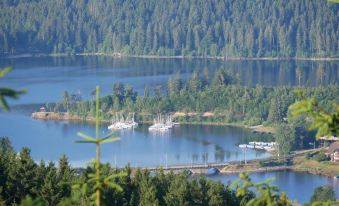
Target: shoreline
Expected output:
[63,116]
[119,55]
[298,162]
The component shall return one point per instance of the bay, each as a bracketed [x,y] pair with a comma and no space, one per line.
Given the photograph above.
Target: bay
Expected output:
[184,144]
[46,78]
[298,186]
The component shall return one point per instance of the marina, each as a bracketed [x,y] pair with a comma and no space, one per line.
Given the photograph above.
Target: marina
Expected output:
[121,123]
[140,146]
[267,146]
[162,123]
[92,94]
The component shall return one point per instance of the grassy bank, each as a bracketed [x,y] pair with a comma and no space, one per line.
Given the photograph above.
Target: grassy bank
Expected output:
[253,167]
[299,161]
[327,168]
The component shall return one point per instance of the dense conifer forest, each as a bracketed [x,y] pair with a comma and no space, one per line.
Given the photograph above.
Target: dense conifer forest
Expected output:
[217,93]
[227,28]
[24,182]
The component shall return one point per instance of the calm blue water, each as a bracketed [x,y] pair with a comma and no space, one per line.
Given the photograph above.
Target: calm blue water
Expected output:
[46,79]
[183,145]
[298,186]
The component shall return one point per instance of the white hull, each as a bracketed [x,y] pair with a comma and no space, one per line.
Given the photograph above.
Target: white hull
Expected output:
[268,146]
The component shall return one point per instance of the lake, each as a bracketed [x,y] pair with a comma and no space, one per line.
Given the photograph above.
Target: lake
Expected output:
[184,144]
[46,78]
[298,186]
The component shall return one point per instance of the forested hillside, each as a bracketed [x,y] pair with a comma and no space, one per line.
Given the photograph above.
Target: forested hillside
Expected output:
[229,28]
[218,95]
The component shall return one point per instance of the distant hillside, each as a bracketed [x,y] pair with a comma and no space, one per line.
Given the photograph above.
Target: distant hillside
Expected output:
[232,28]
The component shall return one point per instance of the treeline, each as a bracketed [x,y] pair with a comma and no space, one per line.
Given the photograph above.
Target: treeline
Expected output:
[258,28]
[24,181]
[204,97]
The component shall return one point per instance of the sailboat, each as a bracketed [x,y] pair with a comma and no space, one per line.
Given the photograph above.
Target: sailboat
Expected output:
[122,123]
[162,124]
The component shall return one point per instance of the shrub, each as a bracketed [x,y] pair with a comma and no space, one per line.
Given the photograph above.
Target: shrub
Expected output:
[320,156]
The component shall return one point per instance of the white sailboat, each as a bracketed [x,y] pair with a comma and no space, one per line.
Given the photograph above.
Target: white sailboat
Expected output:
[122,123]
[268,146]
[162,124]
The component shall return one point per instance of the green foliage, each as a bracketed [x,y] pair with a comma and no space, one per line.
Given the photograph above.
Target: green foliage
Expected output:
[303,137]
[285,137]
[96,178]
[65,176]
[147,193]
[227,102]
[317,156]
[143,188]
[28,201]
[320,156]
[272,163]
[8,92]
[322,194]
[178,193]
[268,195]
[21,177]
[222,77]
[51,191]
[326,122]
[191,28]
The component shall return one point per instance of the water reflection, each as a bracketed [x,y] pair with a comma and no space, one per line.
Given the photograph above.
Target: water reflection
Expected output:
[185,144]
[298,186]
[48,77]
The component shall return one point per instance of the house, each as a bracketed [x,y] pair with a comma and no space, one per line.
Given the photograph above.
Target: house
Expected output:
[333,152]
[42,109]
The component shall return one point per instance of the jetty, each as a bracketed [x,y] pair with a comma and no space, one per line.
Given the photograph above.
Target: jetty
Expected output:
[268,146]
[207,169]
[223,167]
[189,166]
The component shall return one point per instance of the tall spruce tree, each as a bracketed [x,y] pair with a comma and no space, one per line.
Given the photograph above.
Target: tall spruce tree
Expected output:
[21,177]
[51,192]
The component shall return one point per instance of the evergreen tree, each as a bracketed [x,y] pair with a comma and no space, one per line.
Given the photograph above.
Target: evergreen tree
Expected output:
[285,138]
[275,113]
[64,176]
[222,77]
[7,156]
[194,84]
[21,177]
[322,194]
[51,192]
[66,102]
[224,28]
[147,194]
[178,192]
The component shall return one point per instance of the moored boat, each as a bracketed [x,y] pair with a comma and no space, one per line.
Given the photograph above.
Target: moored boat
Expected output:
[162,124]
[120,123]
[212,171]
[268,146]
